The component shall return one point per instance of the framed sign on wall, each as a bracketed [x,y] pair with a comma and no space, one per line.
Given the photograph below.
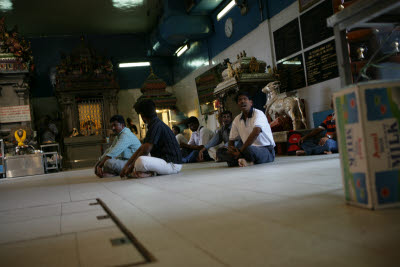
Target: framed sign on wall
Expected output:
[304,4]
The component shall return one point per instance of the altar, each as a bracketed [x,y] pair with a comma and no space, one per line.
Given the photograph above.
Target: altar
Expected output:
[86,90]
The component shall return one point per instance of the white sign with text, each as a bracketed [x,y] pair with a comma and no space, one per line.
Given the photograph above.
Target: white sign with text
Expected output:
[15,114]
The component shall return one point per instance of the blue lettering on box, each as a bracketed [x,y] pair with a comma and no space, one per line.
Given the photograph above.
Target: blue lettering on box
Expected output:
[360,187]
[378,104]
[388,186]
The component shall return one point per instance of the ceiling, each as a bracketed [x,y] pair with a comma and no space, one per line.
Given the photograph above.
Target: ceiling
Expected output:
[74,17]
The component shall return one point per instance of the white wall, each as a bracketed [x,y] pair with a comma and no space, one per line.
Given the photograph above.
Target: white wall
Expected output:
[257,43]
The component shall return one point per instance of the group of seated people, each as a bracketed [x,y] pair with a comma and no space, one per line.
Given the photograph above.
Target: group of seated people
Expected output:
[243,141]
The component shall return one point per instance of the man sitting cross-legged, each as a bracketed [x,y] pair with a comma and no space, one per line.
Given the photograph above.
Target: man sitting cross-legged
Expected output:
[200,136]
[221,136]
[124,145]
[160,143]
[324,145]
[257,143]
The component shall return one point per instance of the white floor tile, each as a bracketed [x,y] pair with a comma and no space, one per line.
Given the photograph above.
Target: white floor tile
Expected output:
[25,214]
[95,249]
[25,230]
[53,251]
[78,222]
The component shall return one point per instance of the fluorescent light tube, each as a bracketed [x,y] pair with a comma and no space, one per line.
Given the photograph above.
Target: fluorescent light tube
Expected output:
[6,5]
[134,64]
[182,50]
[226,9]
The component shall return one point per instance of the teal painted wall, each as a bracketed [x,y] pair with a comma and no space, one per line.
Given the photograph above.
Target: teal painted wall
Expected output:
[119,48]
[218,42]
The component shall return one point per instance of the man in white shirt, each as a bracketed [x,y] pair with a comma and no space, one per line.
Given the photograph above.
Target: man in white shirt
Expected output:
[179,137]
[252,127]
[200,136]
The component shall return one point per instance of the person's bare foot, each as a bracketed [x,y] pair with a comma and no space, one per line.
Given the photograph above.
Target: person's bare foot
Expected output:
[244,163]
[300,153]
[327,152]
[106,175]
[136,174]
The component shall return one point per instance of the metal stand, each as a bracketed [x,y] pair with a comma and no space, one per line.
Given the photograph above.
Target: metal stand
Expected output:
[362,14]
[2,160]
[51,165]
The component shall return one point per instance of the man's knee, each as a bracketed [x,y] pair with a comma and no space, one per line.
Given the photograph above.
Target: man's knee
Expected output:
[140,164]
[108,165]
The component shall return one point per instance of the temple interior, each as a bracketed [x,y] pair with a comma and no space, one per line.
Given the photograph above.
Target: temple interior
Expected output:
[323,74]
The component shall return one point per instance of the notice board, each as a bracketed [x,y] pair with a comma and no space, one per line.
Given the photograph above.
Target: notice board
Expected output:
[313,24]
[291,74]
[15,114]
[321,63]
[287,40]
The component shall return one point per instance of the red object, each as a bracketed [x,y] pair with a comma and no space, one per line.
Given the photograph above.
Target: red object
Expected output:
[293,141]
[282,123]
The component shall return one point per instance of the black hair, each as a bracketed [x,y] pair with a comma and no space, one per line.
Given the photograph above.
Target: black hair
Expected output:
[176,128]
[192,119]
[118,118]
[227,112]
[128,120]
[242,93]
[146,108]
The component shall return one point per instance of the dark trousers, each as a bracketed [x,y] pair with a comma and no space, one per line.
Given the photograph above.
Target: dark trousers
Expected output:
[255,154]
[192,157]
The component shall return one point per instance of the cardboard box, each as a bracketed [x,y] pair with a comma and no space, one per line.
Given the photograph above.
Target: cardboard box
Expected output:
[368,129]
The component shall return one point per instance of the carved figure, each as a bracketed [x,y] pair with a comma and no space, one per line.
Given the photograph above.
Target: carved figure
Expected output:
[231,72]
[283,105]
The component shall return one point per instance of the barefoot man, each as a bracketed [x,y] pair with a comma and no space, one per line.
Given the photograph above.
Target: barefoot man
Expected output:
[252,128]
[160,143]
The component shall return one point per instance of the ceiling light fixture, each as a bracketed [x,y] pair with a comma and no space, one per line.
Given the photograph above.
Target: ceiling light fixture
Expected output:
[134,64]
[181,50]
[123,4]
[6,5]
[226,9]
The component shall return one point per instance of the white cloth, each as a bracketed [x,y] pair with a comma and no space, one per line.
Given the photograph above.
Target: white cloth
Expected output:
[201,137]
[212,152]
[157,165]
[181,139]
[242,128]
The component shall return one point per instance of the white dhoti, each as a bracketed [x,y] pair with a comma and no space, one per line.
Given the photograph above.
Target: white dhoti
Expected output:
[157,165]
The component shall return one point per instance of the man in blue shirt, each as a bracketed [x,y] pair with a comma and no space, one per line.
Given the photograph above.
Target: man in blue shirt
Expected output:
[123,147]
[222,135]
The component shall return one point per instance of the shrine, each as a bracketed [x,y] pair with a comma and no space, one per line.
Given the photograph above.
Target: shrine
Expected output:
[86,90]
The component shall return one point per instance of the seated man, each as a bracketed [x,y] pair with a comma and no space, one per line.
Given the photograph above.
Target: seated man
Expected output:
[49,131]
[160,142]
[325,145]
[257,143]
[222,135]
[200,136]
[179,137]
[181,140]
[124,145]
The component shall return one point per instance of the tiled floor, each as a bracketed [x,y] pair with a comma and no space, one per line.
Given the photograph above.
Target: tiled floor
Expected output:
[287,213]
